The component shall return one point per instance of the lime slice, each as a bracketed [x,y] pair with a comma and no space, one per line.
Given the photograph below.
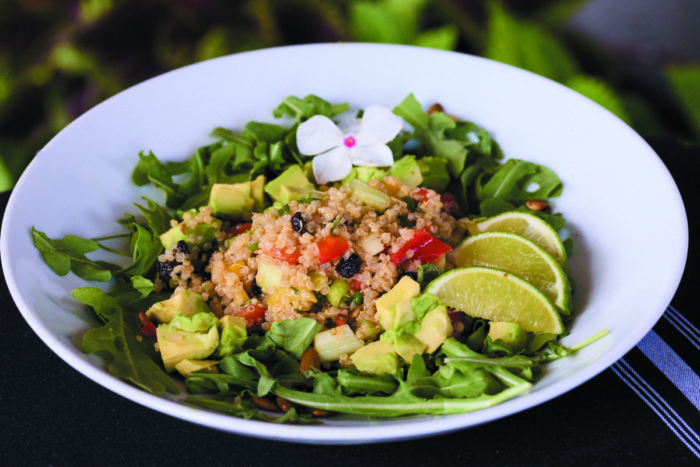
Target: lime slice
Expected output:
[518,255]
[532,227]
[497,295]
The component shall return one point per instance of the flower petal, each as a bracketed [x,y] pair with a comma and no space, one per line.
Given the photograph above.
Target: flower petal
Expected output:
[377,155]
[318,134]
[332,165]
[379,125]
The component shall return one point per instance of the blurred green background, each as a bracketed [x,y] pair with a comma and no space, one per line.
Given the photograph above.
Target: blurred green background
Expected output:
[58,58]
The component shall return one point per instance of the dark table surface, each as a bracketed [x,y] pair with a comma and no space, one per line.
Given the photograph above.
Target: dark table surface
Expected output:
[52,415]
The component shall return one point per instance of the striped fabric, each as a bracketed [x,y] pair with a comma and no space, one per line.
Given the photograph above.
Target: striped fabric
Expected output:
[671,348]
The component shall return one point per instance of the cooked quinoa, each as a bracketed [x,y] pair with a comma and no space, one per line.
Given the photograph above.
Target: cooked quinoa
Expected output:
[226,276]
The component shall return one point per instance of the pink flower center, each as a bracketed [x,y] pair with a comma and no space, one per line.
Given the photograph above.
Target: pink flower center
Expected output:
[349,141]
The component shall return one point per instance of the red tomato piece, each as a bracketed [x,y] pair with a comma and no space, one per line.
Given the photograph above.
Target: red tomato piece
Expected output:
[425,247]
[291,258]
[341,319]
[240,228]
[331,247]
[251,313]
[420,194]
[149,330]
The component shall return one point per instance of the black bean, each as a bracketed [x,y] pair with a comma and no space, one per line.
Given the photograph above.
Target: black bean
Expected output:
[165,269]
[182,247]
[298,223]
[412,274]
[347,268]
[256,290]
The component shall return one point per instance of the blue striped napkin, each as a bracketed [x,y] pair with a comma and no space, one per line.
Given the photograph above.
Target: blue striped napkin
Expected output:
[663,368]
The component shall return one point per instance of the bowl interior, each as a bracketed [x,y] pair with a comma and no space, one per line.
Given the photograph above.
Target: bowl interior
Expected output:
[613,182]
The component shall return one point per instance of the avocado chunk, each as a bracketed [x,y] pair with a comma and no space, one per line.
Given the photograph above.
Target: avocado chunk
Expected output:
[407,346]
[290,185]
[435,327]
[233,334]
[364,174]
[269,274]
[200,234]
[238,200]
[333,343]
[365,194]
[376,358]
[510,334]
[407,170]
[187,366]
[186,303]
[394,307]
[187,338]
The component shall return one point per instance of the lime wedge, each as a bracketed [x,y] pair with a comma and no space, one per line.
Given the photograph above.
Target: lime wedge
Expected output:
[529,226]
[518,255]
[497,295]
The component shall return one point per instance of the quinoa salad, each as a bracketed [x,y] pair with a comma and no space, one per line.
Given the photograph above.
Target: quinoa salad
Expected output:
[361,261]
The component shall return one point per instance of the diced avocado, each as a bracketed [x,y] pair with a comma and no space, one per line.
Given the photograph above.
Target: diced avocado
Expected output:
[376,358]
[200,234]
[364,174]
[257,191]
[186,303]
[187,366]
[194,338]
[269,274]
[407,170]
[435,327]
[407,346]
[233,334]
[365,194]
[434,173]
[337,291]
[290,185]
[238,200]
[394,307]
[333,343]
[371,243]
[510,334]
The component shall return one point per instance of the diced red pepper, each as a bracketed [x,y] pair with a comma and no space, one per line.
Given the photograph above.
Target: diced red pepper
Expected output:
[291,258]
[341,319]
[149,330]
[449,204]
[252,313]
[425,247]
[420,194]
[357,285]
[240,228]
[142,318]
[331,247]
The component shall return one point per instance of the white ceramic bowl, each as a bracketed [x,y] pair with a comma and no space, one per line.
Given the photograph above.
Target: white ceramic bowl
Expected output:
[623,208]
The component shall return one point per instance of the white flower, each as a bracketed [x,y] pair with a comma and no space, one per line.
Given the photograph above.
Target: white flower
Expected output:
[363,142]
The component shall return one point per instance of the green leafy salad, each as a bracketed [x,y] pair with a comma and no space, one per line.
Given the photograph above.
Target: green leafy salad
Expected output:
[371,262]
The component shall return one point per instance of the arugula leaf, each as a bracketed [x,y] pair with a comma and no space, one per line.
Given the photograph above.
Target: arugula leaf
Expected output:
[250,412]
[116,341]
[294,336]
[518,181]
[303,109]
[68,254]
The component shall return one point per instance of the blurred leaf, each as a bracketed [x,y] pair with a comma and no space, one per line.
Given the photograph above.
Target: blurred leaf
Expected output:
[527,45]
[560,11]
[385,21]
[444,38]
[685,82]
[599,92]
[6,179]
